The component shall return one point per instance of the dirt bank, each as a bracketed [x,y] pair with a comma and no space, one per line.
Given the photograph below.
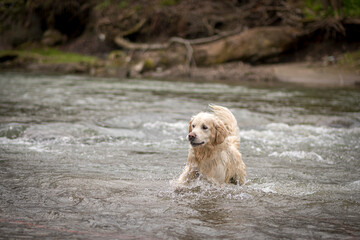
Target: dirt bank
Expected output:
[301,73]
[311,74]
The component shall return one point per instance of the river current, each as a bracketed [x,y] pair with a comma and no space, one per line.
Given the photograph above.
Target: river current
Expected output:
[95,158]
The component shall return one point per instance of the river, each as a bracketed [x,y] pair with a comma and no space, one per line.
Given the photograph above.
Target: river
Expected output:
[96,158]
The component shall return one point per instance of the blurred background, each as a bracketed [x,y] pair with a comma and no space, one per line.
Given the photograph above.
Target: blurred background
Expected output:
[179,38]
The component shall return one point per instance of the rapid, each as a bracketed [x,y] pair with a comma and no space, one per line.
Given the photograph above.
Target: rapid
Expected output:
[91,158]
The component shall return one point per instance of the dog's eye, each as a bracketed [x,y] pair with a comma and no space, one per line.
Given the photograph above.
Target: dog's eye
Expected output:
[193,126]
[204,127]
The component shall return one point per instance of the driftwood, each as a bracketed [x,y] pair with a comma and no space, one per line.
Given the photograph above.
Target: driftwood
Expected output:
[125,44]
[251,45]
[134,29]
[157,46]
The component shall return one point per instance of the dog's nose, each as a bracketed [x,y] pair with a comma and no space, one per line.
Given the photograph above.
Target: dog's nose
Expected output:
[191,136]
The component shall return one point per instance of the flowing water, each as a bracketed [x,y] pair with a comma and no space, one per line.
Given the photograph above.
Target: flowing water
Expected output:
[93,158]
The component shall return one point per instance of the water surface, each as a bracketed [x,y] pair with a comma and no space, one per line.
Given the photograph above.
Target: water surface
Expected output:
[91,158]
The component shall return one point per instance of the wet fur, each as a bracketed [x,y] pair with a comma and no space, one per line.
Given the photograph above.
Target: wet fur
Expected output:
[218,159]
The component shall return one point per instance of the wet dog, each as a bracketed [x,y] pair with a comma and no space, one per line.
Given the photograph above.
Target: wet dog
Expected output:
[214,148]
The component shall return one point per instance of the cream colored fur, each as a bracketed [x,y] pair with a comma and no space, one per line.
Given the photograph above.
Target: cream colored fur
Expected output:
[214,151]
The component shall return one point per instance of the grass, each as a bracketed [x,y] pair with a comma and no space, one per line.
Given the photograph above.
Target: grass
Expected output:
[351,60]
[123,4]
[165,3]
[102,5]
[315,9]
[50,55]
[351,8]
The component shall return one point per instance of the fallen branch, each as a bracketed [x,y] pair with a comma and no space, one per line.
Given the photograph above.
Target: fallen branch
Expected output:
[125,44]
[250,45]
[190,51]
[134,29]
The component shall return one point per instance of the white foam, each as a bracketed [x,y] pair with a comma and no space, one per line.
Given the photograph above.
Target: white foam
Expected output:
[279,94]
[300,155]
[289,188]
[299,141]
[38,148]
[265,187]
[354,185]
[20,141]
[160,124]
[167,128]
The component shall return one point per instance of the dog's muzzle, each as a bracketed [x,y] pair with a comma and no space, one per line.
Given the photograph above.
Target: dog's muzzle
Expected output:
[191,137]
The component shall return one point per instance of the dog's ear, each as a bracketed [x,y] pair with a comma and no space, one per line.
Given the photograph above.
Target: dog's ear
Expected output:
[190,123]
[220,132]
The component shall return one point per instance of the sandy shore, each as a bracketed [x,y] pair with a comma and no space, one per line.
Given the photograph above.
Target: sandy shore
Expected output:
[304,74]
[313,75]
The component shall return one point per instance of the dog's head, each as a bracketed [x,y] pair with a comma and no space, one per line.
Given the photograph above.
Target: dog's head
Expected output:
[205,129]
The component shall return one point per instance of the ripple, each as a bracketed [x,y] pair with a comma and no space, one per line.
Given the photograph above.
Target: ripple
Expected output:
[12,130]
[97,155]
[300,155]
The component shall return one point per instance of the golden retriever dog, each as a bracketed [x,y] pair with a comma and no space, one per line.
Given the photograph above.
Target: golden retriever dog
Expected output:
[214,148]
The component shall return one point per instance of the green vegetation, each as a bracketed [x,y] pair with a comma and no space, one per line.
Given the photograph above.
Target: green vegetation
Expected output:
[350,60]
[123,4]
[149,64]
[50,55]
[111,3]
[10,12]
[351,8]
[102,5]
[315,9]
[169,2]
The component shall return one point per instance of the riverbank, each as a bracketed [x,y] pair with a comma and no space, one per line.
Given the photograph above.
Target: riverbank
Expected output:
[305,73]
[312,43]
